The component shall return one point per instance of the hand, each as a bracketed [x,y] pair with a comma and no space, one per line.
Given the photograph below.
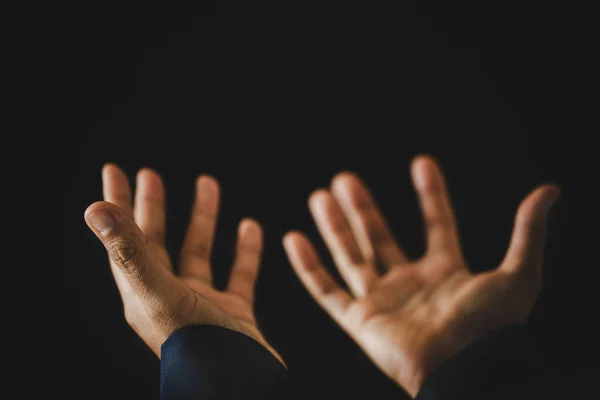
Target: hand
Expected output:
[157,301]
[415,314]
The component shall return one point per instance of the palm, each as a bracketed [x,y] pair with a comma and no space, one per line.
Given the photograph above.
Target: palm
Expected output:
[411,315]
[420,318]
[232,304]
[232,307]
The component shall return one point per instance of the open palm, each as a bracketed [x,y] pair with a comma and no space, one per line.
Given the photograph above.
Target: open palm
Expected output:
[412,315]
[156,300]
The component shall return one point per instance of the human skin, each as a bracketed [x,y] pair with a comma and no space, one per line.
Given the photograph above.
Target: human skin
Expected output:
[410,316]
[158,300]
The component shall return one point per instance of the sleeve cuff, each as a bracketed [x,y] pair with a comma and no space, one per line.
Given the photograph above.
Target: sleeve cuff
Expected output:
[211,362]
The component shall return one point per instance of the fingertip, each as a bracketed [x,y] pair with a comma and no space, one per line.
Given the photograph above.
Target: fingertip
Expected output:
[290,238]
[106,171]
[101,217]
[150,173]
[114,179]
[297,242]
[249,226]
[207,182]
[318,197]
[297,247]
[207,191]
[552,191]
[343,180]
[424,170]
[539,201]
[110,167]
[149,184]
[418,169]
[551,194]
[423,158]
[250,234]
[97,206]
[291,244]
[104,206]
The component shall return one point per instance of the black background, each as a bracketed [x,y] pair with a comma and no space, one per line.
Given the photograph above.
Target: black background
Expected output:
[274,106]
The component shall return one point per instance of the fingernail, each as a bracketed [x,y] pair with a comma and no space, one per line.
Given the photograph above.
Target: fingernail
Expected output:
[103,222]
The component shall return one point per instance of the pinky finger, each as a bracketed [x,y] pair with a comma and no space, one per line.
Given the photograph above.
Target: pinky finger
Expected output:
[526,251]
[315,277]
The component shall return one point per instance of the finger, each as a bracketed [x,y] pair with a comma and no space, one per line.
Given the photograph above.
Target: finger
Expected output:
[149,212]
[358,274]
[315,277]
[526,250]
[442,234]
[129,252]
[195,255]
[115,188]
[149,209]
[370,229]
[247,260]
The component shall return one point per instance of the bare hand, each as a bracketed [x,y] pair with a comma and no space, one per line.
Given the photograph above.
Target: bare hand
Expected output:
[156,300]
[415,314]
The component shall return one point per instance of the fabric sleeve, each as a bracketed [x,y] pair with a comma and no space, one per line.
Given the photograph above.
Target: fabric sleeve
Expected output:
[211,362]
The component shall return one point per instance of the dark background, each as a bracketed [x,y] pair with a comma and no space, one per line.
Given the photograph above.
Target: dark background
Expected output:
[274,107]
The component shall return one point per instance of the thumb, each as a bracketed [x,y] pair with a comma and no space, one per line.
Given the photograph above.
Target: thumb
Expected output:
[526,251]
[129,251]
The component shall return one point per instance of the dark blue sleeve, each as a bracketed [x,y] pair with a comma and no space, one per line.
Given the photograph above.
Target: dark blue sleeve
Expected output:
[503,365]
[211,362]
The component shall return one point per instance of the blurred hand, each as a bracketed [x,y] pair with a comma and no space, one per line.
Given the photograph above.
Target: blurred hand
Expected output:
[410,316]
[156,300]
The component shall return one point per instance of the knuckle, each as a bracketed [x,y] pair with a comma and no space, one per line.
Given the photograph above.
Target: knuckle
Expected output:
[200,250]
[156,237]
[249,249]
[440,221]
[125,253]
[433,189]
[376,233]
[246,274]
[364,205]
[355,257]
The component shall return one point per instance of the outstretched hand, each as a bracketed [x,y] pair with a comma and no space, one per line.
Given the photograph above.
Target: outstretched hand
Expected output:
[410,316]
[156,300]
